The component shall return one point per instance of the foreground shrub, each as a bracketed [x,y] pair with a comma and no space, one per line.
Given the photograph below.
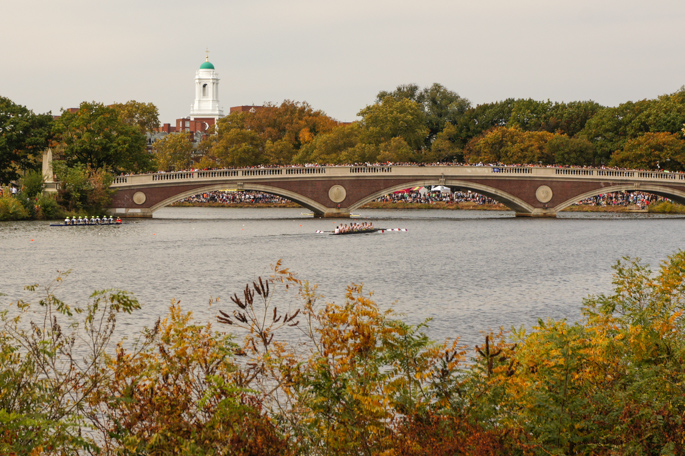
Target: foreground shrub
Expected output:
[178,395]
[12,209]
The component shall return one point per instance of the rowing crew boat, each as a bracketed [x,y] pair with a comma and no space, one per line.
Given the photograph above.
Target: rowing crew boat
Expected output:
[95,224]
[373,230]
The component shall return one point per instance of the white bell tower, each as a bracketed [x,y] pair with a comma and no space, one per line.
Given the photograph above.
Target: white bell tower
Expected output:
[206,103]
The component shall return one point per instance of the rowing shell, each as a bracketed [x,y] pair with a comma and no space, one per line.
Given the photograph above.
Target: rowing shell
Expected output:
[74,226]
[375,230]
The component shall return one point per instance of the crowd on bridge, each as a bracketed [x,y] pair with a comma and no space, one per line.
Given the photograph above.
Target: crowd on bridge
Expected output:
[384,164]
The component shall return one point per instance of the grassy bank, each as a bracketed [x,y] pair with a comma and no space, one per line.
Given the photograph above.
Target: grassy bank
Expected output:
[666,208]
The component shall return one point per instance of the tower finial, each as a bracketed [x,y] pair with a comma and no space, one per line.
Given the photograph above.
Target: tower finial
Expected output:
[207,58]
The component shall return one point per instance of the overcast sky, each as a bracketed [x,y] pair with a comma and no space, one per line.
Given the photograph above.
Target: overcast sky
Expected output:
[337,55]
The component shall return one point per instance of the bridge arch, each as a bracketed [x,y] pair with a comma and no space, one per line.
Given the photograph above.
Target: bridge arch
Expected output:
[670,193]
[247,186]
[515,204]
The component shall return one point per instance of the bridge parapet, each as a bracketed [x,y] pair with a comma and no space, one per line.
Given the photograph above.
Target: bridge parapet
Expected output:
[399,171]
[660,175]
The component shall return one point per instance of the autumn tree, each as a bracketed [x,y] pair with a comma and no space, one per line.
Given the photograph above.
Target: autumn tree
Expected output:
[391,118]
[331,147]
[652,151]
[23,138]
[268,135]
[566,150]
[510,146]
[97,137]
[143,115]
[173,152]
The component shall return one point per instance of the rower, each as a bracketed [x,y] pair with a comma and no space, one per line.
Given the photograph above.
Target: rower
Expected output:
[80,220]
[66,221]
[111,220]
[97,219]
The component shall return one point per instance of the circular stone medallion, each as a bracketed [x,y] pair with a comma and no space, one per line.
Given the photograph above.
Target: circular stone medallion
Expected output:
[139,198]
[337,193]
[544,194]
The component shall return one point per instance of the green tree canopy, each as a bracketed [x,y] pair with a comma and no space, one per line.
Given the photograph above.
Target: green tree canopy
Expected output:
[570,118]
[23,138]
[510,146]
[440,105]
[143,115]
[482,118]
[652,151]
[330,147]
[391,118]
[173,152]
[97,137]
[611,128]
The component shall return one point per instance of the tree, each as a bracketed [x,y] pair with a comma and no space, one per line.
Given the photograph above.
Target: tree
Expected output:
[570,151]
[96,136]
[143,115]
[83,189]
[440,105]
[445,145]
[392,118]
[611,128]
[239,147]
[173,152]
[396,150]
[510,146]
[482,118]
[652,151]
[570,118]
[330,147]
[23,138]
[275,134]
[529,115]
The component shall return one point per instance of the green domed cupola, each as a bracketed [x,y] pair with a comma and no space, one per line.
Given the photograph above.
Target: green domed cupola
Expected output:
[207,65]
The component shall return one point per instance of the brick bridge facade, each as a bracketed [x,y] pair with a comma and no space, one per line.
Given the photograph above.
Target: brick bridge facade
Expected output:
[337,191]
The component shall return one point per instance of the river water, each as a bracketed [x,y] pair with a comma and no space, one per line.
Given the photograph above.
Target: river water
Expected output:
[468,271]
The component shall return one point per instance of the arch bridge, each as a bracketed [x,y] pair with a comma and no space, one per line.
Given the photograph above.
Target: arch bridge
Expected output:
[336,191]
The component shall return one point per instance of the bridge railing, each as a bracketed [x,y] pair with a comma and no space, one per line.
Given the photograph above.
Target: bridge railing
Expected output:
[512,170]
[173,176]
[615,173]
[398,170]
[370,169]
[655,175]
[574,172]
[317,170]
[217,173]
